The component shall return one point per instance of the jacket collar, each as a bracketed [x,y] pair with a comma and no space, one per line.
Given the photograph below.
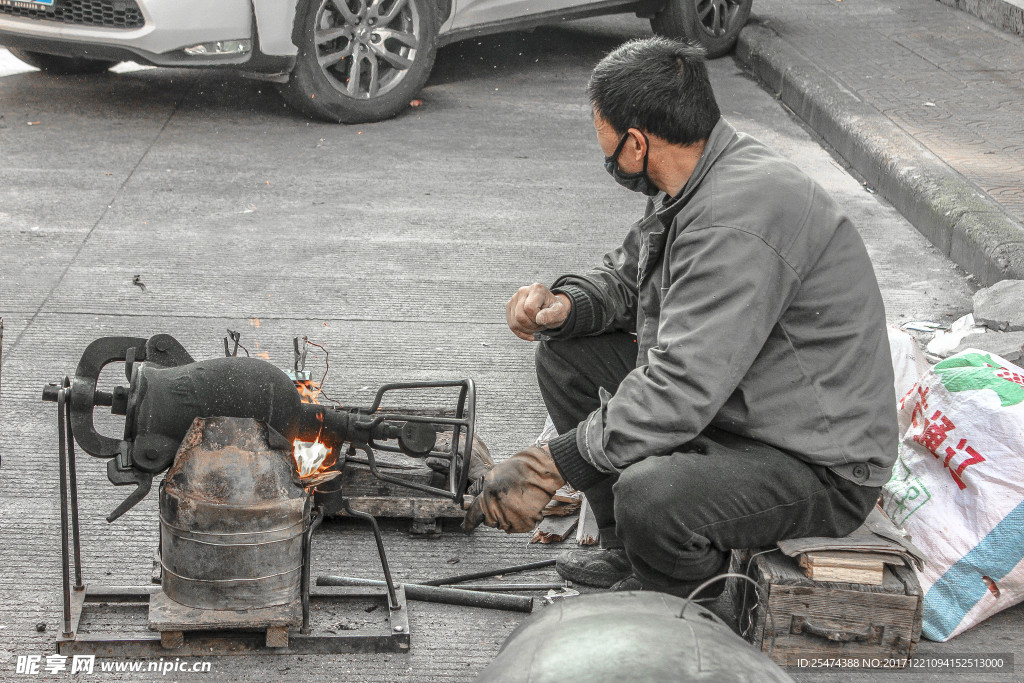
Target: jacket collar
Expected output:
[722,135]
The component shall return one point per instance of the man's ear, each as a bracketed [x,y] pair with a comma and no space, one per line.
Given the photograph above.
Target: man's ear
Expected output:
[636,146]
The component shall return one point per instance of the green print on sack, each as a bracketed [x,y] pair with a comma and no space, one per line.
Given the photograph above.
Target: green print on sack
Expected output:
[976,371]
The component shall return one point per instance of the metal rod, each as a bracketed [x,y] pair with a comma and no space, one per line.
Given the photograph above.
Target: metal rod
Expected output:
[511,587]
[392,596]
[384,465]
[444,595]
[468,394]
[73,482]
[62,397]
[307,551]
[489,573]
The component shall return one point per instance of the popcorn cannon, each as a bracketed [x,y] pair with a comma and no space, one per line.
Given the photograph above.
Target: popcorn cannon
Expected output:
[236,514]
[168,389]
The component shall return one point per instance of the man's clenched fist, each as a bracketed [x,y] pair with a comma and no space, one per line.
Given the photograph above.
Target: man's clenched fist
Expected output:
[535,308]
[513,495]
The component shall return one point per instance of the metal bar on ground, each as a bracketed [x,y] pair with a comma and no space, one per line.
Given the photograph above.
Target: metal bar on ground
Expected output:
[447,596]
[488,573]
[510,587]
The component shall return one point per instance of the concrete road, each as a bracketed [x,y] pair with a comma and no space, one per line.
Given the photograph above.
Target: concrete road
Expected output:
[394,244]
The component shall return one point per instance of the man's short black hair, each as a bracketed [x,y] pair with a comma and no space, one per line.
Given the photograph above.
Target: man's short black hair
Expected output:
[658,85]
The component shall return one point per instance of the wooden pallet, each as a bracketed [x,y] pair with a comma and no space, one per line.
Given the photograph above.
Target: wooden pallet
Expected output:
[173,620]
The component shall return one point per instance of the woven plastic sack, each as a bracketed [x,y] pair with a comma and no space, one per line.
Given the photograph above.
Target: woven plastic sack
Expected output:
[958,488]
[908,361]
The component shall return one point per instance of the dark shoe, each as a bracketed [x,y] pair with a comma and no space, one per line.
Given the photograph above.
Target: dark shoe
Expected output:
[680,590]
[630,583]
[720,609]
[600,568]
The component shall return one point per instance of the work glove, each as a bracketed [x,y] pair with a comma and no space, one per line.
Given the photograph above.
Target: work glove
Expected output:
[512,496]
[480,461]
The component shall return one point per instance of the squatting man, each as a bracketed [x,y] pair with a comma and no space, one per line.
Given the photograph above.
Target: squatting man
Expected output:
[722,379]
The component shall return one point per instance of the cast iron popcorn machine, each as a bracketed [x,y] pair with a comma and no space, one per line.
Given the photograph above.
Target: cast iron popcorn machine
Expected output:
[246,461]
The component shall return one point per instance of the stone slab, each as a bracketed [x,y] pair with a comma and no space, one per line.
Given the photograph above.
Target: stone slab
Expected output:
[1008,345]
[1001,306]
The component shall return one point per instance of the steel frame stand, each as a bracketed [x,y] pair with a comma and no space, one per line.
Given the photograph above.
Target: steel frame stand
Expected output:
[394,637]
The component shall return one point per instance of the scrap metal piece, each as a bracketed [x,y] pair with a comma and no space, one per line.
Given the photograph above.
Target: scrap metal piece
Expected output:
[560,594]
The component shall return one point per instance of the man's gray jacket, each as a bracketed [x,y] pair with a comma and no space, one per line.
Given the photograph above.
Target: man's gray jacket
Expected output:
[756,310]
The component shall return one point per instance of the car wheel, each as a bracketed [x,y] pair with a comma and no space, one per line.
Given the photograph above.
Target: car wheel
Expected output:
[713,24]
[361,60]
[62,66]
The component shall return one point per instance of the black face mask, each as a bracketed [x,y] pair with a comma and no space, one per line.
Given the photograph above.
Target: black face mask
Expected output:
[639,181]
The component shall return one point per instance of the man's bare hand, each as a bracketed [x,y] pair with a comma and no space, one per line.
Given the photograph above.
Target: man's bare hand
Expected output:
[535,308]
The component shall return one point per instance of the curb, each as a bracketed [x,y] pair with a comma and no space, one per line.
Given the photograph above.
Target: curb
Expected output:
[962,221]
[1007,15]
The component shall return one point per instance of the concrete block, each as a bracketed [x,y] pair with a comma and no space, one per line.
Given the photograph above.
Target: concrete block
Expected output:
[1008,345]
[1001,306]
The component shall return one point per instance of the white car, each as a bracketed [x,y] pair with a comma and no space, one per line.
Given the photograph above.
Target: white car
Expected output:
[348,61]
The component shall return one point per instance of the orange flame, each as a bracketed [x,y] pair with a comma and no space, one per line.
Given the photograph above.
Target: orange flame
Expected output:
[308,390]
[312,458]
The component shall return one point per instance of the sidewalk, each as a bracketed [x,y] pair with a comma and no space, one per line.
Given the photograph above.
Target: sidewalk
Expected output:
[926,103]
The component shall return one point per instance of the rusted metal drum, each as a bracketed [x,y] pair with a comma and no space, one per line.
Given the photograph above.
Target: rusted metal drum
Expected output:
[232,518]
[640,636]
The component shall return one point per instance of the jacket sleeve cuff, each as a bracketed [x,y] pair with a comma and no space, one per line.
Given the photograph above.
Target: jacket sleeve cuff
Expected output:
[571,464]
[582,318]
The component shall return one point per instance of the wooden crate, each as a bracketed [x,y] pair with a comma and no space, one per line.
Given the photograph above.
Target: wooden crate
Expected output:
[807,619]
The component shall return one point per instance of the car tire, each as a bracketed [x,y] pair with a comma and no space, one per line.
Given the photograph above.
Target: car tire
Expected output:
[61,66]
[389,45]
[713,24]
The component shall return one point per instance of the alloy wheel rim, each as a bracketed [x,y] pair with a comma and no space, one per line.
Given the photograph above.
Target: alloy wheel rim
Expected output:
[717,16]
[366,47]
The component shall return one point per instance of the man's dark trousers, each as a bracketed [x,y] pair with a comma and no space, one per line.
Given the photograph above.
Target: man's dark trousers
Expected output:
[677,516]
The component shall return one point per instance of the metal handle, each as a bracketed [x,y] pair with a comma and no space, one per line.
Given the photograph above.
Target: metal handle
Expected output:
[463,426]
[871,633]
[97,356]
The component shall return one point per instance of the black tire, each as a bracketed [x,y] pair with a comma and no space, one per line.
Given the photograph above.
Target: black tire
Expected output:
[62,66]
[336,37]
[713,24]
